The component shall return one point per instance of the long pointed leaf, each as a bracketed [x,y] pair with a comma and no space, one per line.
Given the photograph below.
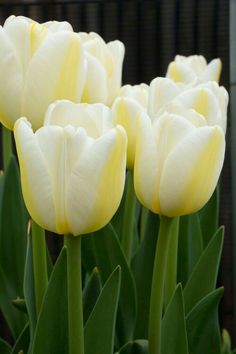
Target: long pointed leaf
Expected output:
[99,331]
[51,334]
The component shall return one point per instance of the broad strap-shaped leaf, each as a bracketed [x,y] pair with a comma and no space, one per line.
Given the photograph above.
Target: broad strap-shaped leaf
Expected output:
[190,246]
[139,346]
[102,249]
[99,332]
[13,237]
[51,333]
[29,294]
[209,217]
[5,348]
[91,292]
[142,266]
[23,341]
[203,325]
[174,335]
[203,278]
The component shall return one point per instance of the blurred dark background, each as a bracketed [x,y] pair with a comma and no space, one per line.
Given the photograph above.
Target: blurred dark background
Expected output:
[153,33]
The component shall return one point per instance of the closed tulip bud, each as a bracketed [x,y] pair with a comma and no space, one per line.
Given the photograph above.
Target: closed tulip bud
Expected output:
[193,69]
[104,68]
[72,182]
[209,100]
[177,165]
[39,63]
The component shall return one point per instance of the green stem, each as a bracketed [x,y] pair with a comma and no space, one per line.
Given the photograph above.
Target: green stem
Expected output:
[158,281]
[129,217]
[75,305]
[143,221]
[171,267]
[7,146]
[40,264]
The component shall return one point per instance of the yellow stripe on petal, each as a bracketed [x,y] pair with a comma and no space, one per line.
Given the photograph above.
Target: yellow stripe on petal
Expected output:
[67,86]
[191,172]
[37,34]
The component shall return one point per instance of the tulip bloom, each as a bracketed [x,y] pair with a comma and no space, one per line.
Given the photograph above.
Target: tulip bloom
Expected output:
[104,68]
[131,101]
[193,70]
[72,183]
[39,63]
[209,100]
[177,165]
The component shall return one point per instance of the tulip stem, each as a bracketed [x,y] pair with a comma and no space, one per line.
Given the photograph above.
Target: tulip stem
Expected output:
[7,146]
[171,266]
[158,281]
[40,264]
[75,305]
[129,217]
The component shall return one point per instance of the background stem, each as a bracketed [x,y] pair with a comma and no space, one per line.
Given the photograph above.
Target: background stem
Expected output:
[7,146]
[40,264]
[129,217]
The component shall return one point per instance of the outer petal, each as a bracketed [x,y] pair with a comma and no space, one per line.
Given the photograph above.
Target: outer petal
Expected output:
[212,71]
[95,88]
[11,82]
[96,183]
[179,72]
[138,92]
[125,112]
[35,177]
[95,118]
[56,26]
[162,91]
[191,172]
[56,71]
[117,51]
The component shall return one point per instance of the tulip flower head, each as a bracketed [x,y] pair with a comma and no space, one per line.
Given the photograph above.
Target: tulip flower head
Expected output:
[126,109]
[39,63]
[193,70]
[104,68]
[177,165]
[72,177]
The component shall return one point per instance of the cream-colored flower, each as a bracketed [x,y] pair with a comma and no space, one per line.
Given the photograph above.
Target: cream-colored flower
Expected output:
[177,165]
[104,68]
[39,63]
[72,177]
[193,70]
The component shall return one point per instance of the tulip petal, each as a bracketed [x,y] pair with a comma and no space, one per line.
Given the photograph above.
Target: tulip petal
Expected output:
[11,82]
[95,119]
[56,26]
[35,179]
[96,77]
[212,71]
[191,171]
[179,72]
[96,183]
[56,71]
[125,112]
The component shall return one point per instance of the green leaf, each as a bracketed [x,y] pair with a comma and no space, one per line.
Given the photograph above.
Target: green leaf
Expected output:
[13,231]
[203,325]
[51,333]
[99,331]
[102,249]
[22,343]
[91,293]
[226,342]
[190,246]
[209,217]
[138,346]
[142,266]
[5,348]
[174,336]
[29,289]
[203,278]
